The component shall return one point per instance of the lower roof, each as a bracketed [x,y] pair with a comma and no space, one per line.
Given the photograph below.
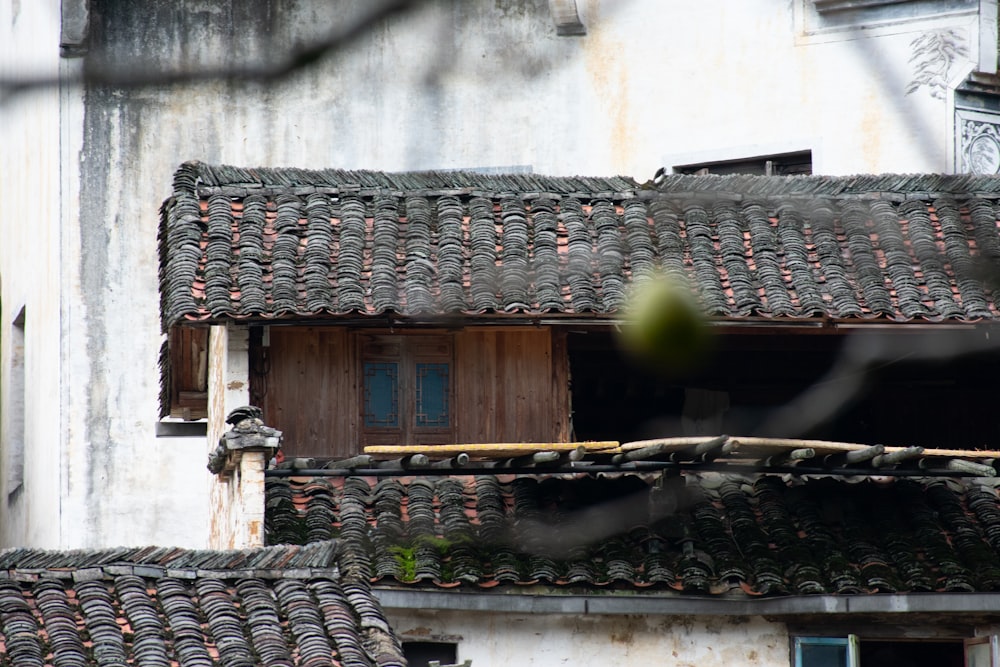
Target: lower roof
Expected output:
[712,535]
[282,605]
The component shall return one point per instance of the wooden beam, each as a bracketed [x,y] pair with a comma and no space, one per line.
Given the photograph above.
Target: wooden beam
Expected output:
[359,461]
[800,454]
[458,461]
[853,456]
[897,456]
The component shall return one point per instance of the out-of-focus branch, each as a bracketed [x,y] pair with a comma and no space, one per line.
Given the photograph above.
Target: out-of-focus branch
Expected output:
[143,74]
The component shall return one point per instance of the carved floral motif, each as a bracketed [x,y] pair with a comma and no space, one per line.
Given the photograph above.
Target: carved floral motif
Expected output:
[934,54]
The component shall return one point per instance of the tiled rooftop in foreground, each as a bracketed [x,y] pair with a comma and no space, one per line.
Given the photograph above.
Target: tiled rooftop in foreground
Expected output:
[161,606]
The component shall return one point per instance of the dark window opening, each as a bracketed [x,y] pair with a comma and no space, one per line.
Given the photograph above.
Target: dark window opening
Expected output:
[188,372]
[16,407]
[421,654]
[784,164]
[749,376]
[911,654]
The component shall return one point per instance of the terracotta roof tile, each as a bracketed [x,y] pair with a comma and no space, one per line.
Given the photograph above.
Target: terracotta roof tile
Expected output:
[283,605]
[707,533]
[274,243]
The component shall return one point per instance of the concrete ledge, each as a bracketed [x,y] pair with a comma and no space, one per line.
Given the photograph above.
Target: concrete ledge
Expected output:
[528,603]
[171,429]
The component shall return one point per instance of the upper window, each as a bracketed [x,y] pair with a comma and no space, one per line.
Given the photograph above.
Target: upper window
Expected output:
[186,373]
[406,389]
[783,164]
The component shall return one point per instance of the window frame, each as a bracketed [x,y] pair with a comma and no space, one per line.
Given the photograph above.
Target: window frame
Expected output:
[16,407]
[417,650]
[790,163]
[851,642]
[408,351]
[993,644]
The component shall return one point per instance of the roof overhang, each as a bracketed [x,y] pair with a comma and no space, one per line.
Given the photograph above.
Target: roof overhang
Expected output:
[535,601]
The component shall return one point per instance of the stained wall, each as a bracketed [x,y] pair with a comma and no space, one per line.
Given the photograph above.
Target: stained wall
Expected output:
[491,84]
[492,638]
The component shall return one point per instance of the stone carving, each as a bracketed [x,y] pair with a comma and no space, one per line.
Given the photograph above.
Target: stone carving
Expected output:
[978,144]
[934,54]
[248,432]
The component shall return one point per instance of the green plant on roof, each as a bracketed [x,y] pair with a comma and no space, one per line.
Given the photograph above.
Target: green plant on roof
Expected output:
[406,561]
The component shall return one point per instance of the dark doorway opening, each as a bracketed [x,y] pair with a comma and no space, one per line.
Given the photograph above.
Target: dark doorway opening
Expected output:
[944,402]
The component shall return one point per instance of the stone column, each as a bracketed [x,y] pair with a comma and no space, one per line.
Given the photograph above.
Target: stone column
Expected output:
[239,462]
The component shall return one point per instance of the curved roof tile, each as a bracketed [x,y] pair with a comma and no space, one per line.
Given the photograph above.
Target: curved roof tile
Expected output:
[291,243]
[159,606]
[710,534]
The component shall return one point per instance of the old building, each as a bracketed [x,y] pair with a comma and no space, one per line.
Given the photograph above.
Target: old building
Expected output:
[387,265]
[601,88]
[384,316]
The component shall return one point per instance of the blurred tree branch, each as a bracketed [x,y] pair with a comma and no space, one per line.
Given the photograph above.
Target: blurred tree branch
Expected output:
[143,74]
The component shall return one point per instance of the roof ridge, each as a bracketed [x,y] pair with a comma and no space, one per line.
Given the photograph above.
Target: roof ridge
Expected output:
[198,173]
[321,555]
[928,185]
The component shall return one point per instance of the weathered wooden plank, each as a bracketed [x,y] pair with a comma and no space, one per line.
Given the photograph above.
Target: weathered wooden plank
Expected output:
[562,406]
[311,393]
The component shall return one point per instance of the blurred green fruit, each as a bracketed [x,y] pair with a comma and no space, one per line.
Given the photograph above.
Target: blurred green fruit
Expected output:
[664,325]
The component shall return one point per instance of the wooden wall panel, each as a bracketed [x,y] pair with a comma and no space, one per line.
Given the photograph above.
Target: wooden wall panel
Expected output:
[511,385]
[188,372]
[311,391]
[505,387]
[562,403]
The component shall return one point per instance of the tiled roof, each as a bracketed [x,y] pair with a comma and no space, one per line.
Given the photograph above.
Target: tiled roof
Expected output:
[281,605]
[707,533]
[274,243]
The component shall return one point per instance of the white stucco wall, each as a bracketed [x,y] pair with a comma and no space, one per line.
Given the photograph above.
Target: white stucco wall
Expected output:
[497,639]
[29,273]
[475,85]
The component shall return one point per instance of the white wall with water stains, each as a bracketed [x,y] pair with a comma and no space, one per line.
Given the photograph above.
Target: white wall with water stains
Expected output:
[30,280]
[652,83]
[547,640]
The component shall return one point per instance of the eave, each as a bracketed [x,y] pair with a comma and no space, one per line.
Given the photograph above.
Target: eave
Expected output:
[533,601]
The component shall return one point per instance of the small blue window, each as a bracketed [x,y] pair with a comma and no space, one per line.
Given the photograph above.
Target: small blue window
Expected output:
[381,395]
[432,395]
[826,651]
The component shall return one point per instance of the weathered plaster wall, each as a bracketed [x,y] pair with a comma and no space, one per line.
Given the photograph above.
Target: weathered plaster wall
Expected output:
[29,275]
[474,85]
[494,639]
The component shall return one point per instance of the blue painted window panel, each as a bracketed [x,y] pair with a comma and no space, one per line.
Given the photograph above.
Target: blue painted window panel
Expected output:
[432,396]
[381,395]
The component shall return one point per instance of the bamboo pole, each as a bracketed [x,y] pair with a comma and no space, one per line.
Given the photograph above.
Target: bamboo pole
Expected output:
[492,450]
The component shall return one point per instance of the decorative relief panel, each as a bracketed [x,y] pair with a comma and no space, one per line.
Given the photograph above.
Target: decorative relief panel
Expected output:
[934,53]
[977,142]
